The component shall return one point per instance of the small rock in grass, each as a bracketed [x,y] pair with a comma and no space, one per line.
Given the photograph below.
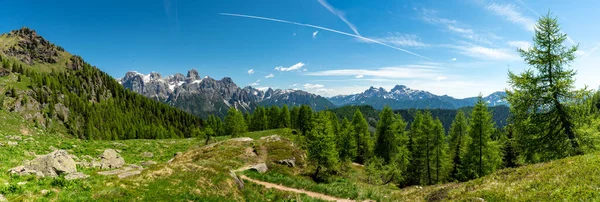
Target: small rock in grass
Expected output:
[148,154]
[76,175]
[261,167]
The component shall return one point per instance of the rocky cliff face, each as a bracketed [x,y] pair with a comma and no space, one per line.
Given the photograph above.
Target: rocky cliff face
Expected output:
[205,96]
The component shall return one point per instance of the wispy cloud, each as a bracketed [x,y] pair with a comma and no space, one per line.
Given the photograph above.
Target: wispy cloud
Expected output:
[510,12]
[296,66]
[400,39]
[251,71]
[453,59]
[486,53]
[325,29]
[171,11]
[310,86]
[340,15]
[269,76]
[402,72]
[431,16]
[440,78]
[520,44]
[315,34]
[256,83]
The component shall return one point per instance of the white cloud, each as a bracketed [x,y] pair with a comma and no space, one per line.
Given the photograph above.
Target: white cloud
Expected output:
[304,69]
[488,53]
[510,12]
[440,78]
[430,16]
[269,76]
[294,85]
[297,66]
[402,72]
[251,71]
[256,83]
[340,15]
[453,59]
[359,76]
[326,29]
[309,86]
[315,34]
[520,44]
[399,39]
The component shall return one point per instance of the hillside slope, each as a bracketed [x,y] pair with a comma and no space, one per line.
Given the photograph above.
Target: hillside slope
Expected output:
[61,92]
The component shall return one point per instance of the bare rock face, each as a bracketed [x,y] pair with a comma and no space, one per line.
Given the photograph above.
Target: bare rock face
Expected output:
[111,159]
[50,165]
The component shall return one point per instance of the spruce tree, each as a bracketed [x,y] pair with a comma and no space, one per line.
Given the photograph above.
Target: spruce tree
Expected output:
[363,138]
[322,152]
[459,140]
[540,97]
[482,156]
[273,117]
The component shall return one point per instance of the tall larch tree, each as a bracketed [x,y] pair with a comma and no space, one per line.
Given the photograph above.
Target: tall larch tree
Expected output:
[540,97]
[235,123]
[386,145]
[440,159]
[482,156]
[273,117]
[285,117]
[363,138]
[322,152]
[305,119]
[459,140]
[346,143]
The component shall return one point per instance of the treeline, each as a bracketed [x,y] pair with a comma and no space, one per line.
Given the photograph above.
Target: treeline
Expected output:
[500,114]
[419,153]
[97,107]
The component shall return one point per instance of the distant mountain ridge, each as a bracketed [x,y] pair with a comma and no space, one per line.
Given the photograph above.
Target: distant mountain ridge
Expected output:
[402,97]
[205,96]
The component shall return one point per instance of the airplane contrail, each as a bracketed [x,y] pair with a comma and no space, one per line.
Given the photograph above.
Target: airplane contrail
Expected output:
[326,29]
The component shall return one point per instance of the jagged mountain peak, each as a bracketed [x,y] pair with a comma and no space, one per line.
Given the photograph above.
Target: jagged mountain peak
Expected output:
[401,97]
[209,96]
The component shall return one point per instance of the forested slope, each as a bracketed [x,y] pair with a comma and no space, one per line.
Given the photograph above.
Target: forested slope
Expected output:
[62,92]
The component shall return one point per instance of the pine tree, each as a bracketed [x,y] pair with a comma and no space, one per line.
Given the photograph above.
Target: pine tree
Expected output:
[234,123]
[294,113]
[285,117]
[322,152]
[364,141]
[510,154]
[459,140]
[539,97]
[482,156]
[417,162]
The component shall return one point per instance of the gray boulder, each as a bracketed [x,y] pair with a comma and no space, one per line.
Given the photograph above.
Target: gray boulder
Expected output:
[76,175]
[147,163]
[261,167]
[50,165]
[111,159]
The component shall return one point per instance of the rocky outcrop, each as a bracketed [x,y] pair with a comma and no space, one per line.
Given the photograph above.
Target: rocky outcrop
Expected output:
[124,172]
[291,162]
[32,48]
[111,159]
[50,165]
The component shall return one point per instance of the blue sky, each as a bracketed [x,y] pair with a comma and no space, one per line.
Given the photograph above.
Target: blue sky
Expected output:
[460,48]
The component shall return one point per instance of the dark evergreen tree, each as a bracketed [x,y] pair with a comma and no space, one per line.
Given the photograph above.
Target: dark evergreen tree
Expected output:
[364,141]
[459,141]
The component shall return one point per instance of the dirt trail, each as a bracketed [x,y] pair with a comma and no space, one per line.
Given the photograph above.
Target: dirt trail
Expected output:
[300,191]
